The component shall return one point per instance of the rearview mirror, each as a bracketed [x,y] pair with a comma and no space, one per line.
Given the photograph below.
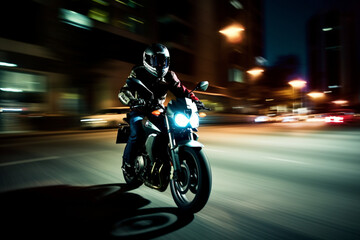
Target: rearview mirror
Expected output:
[202,86]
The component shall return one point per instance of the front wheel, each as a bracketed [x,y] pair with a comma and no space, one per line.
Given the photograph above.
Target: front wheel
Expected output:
[191,190]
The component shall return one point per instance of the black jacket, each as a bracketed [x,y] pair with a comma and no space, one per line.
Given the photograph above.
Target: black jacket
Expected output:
[159,86]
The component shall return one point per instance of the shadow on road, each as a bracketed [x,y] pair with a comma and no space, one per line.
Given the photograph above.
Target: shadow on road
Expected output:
[95,212]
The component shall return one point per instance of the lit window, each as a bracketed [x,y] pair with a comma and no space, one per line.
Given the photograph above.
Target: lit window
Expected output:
[99,15]
[21,82]
[75,19]
[102,2]
[236,75]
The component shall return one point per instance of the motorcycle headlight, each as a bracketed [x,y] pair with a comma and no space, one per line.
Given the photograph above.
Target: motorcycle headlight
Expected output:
[194,121]
[181,120]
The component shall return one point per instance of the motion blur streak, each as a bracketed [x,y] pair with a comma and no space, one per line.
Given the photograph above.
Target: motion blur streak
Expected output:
[270,181]
[28,161]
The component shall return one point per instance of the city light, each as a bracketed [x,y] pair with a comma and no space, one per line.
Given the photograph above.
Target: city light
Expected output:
[316,94]
[10,90]
[75,19]
[327,29]
[6,64]
[334,119]
[233,32]
[236,4]
[255,71]
[11,109]
[340,102]
[297,83]
[102,2]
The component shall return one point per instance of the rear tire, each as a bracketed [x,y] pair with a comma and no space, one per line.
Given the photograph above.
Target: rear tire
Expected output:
[192,189]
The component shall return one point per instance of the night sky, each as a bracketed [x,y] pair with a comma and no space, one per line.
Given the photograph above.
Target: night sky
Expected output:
[285,27]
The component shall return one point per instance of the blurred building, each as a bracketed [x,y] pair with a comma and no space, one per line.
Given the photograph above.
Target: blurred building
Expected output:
[241,54]
[72,56]
[334,54]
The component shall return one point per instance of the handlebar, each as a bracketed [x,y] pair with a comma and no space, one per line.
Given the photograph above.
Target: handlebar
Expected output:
[154,104]
[204,108]
[149,103]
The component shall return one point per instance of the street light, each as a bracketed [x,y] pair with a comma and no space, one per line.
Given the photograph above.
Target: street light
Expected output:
[233,32]
[255,72]
[316,95]
[340,102]
[297,84]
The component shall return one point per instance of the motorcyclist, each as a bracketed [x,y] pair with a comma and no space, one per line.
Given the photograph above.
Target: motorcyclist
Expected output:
[156,76]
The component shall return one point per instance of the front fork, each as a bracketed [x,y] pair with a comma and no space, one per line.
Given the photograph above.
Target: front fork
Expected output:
[174,148]
[174,151]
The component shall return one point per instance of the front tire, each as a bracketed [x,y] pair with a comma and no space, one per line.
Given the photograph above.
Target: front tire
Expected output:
[192,189]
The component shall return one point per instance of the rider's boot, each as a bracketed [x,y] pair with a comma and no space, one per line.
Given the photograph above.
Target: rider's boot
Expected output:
[128,169]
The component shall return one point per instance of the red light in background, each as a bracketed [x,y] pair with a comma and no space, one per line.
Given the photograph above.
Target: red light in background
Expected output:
[334,119]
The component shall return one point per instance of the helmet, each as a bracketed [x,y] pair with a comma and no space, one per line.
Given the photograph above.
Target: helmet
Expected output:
[156,59]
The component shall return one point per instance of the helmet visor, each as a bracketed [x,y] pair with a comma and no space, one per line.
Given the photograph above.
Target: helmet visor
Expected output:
[159,60]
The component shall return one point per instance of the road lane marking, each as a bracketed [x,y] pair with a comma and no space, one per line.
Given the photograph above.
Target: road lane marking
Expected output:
[28,161]
[286,160]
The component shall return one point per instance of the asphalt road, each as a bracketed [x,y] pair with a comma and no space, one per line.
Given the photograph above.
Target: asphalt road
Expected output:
[270,181]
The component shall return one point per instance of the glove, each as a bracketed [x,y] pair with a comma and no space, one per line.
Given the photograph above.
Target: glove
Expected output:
[138,103]
[199,105]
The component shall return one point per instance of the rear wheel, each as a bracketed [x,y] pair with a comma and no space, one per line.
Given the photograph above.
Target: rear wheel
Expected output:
[192,189]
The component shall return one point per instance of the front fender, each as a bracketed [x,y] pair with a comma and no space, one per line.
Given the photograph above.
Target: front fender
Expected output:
[175,153]
[190,143]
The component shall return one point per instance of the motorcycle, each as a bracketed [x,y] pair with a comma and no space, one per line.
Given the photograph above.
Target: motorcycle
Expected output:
[173,156]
